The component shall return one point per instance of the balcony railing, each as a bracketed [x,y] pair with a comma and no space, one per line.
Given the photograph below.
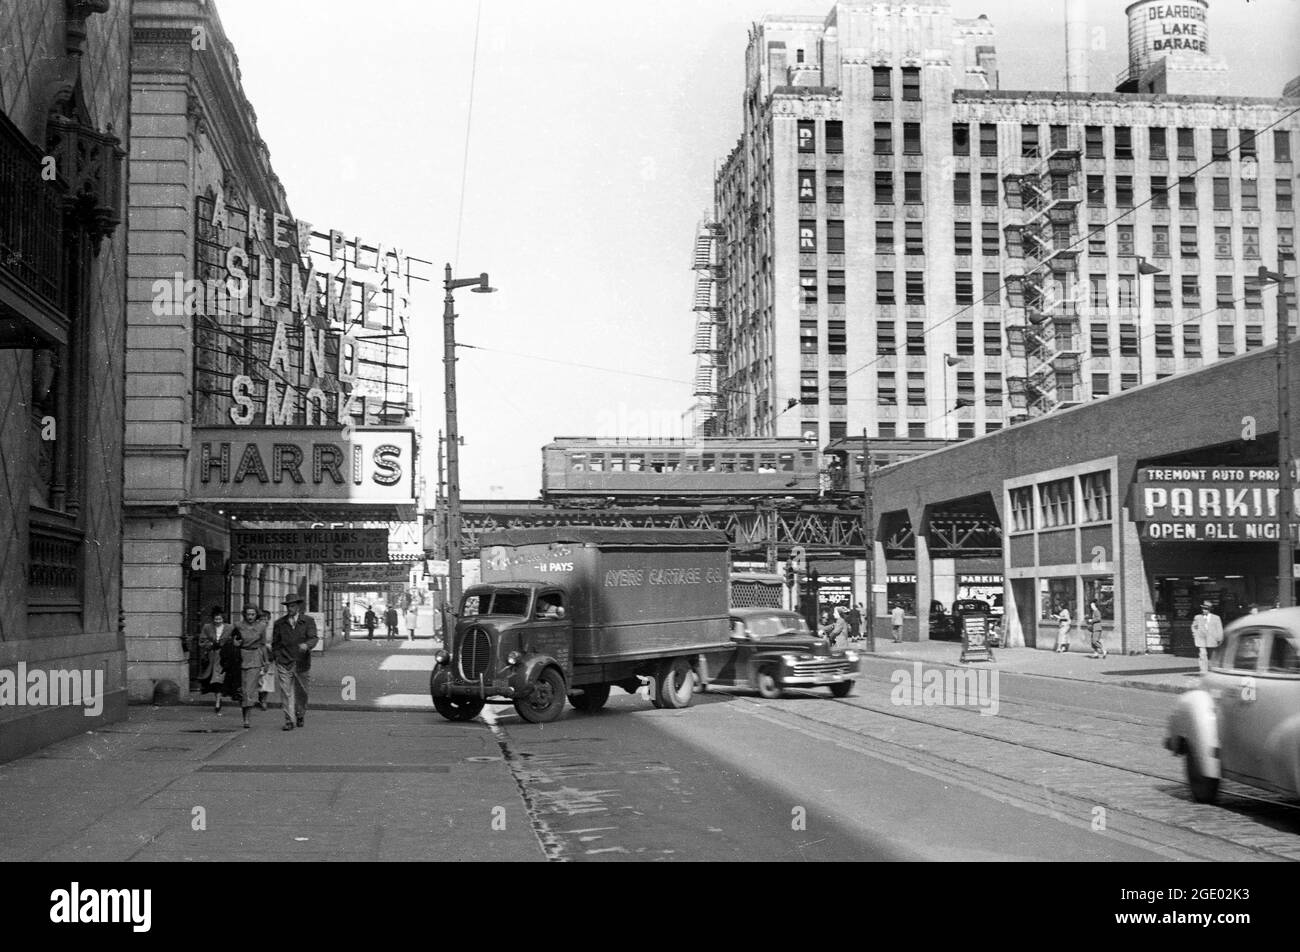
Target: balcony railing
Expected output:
[31,219]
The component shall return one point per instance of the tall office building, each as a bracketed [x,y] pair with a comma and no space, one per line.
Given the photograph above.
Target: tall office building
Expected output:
[901,246]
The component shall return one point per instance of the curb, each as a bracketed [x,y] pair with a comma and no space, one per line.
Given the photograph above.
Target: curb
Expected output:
[1126,683]
[200,701]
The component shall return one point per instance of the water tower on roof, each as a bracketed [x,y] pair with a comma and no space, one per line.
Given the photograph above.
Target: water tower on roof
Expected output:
[1169,50]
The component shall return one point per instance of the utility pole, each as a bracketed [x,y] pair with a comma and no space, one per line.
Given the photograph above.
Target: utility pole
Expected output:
[1286,480]
[869,543]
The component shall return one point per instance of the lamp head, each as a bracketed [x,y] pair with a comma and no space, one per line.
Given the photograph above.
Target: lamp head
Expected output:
[1146,267]
[952,361]
[483,287]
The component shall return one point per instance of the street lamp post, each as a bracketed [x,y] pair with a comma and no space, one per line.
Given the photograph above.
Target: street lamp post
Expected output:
[480,286]
[1145,267]
[1285,478]
[948,361]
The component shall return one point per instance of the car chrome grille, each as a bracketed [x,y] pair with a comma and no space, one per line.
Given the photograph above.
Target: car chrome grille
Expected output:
[822,666]
[475,654]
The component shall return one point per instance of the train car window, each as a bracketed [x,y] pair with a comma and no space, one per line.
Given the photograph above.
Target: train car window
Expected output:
[578,462]
[767,463]
[597,463]
[806,461]
[691,464]
[635,462]
[710,462]
[745,462]
[672,462]
[616,462]
[857,463]
[728,462]
[787,462]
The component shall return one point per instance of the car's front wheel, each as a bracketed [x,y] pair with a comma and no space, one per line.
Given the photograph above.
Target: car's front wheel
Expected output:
[1204,789]
[767,684]
[842,689]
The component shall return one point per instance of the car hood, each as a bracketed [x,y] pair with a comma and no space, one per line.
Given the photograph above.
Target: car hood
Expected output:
[806,644]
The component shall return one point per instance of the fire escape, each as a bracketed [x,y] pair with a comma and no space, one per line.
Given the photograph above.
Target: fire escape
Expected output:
[710,332]
[1043,195]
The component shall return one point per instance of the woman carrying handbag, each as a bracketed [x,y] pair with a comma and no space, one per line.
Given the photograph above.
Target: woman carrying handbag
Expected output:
[215,674]
[250,635]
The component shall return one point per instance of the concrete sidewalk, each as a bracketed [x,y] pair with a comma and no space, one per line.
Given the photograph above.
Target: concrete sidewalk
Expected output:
[1148,672]
[177,783]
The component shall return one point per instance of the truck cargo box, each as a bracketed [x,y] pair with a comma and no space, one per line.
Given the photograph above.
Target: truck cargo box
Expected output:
[633,593]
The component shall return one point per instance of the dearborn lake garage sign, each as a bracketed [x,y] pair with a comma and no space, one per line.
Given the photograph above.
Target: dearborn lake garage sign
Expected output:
[1207,504]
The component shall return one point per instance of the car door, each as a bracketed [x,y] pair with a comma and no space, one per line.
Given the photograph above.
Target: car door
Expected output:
[1236,685]
[730,670]
[1271,720]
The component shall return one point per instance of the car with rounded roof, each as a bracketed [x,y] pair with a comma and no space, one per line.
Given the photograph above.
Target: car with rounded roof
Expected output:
[775,650]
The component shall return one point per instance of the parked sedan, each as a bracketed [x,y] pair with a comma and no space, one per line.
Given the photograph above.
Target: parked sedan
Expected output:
[775,650]
[1243,722]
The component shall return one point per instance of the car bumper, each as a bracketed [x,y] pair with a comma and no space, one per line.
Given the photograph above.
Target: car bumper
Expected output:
[820,679]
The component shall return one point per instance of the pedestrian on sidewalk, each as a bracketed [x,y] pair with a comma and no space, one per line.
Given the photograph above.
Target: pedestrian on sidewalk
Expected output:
[371,621]
[215,676]
[1207,633]
[391,621]
[838,632]
[896,616]
[250,635]
[412,618]
[1063,632]
[292,640]
[1094,627]
[854,618]
[266,683]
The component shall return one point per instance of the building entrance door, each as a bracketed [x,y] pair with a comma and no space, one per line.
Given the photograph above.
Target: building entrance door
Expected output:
[1023,591]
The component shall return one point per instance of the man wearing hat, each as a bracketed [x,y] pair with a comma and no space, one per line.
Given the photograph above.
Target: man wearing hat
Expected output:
[1207,632]
[292,639]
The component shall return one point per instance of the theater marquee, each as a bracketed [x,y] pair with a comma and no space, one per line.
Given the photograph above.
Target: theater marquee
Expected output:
[275,465]
[1207,504]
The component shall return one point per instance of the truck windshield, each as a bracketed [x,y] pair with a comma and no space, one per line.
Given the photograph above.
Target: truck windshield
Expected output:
[495,603]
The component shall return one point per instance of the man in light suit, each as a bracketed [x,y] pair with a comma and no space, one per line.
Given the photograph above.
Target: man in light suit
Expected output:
[292,640]
[1207,632]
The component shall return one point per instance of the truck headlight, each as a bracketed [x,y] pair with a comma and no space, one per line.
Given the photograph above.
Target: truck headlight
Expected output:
[442,657]
[851,656]
[789,659]
[512,658]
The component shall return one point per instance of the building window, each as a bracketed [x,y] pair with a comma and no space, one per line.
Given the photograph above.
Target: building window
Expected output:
[988,139]
[808,236]
[916,431]
[915,287]
[961,138]
[1159,192]
[1164,340]
[1187,145]
[835,287]
[1281,145]
[1057,503]
[911,138]
[988,189]
[911,84]
[1227,341]
[1222,194]
[1022,509]
[1096,191]
[1187,193]
[1286,242]
[888,431]
[992,390]
[834,136]
[1218,145]
[1099,340]
[1124,191]
[837,340]
[1093,143]
[961,188]
[1157,143]
[1015,244]
[807,135]
[965,429]
[808,390]
[992,292]
[1101,385]
[881,83]
[992,339]
[965,288]
[965,338]
[1254,336]
[837,390]
[884,188]
[808,336]
[1029,141]
[1192,340]
[1246,143]
[835,236]
[1160,241]
[887,389]
[1223,291]
[807,185]
[1097,243]
[884,138]
[1128,340]
[1223,242]
[991,239]
[1187,241]
[915,390]
[1252,298]
[1127,297]
[1127,381]
[915,338]
[834,187]
[913,238]
[966,386]
[1124,241]
[1123,142]
[1250,242]
[885,237]
[1191,290]
[1096,497]
[885,288]
[808,287]
[1284,195]
[961,236]
[1097,292]
[886,343]
[912,188]
[1249,195]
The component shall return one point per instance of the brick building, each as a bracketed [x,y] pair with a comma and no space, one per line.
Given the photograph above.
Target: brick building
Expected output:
[64,126]
[902,246]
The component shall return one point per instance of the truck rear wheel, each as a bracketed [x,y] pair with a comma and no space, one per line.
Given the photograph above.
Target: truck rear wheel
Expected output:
[458,709]
[675,683]
[546,703]
[592,698]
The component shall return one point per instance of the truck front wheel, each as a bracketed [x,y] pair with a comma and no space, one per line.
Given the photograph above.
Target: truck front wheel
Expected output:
[546,703]
[767,684]
[675,683]
[458,709]
[592,698]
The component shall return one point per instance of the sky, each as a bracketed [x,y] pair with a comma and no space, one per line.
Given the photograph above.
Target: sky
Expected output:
[592,140]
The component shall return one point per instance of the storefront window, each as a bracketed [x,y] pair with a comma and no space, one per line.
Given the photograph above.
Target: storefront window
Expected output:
[1055,594]
[1101,590]
[902,591]
[1096,496]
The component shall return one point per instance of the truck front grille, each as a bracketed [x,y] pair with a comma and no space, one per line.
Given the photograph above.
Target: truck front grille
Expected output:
[475,654]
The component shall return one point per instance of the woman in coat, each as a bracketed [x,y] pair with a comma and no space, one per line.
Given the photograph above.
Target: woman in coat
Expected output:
[215,674]
[250,635]
[1063,632]
[838,631]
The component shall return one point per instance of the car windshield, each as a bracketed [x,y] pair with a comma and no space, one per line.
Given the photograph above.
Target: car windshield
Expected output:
[769,626]
[489,602]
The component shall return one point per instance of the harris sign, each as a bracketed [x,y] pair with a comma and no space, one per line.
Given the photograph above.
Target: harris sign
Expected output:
[1207,504]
